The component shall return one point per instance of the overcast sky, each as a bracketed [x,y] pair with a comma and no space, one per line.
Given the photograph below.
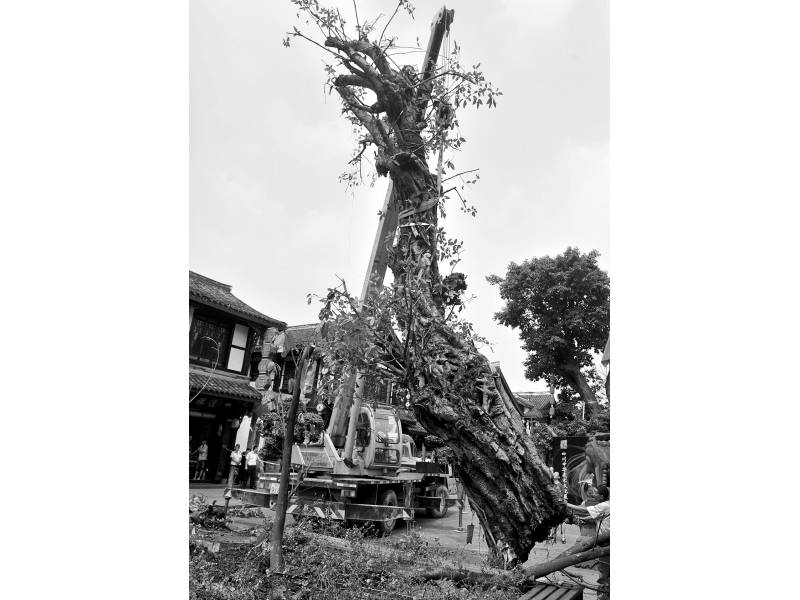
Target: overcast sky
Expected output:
[268,215]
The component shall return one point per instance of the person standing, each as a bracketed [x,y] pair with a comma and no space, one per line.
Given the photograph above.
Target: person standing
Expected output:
[591,498]
[241,479]
[601,514]
[202,457]
[252,460]
[236,460]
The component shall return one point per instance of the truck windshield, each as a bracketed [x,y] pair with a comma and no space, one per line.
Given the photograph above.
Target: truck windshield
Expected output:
[390,428]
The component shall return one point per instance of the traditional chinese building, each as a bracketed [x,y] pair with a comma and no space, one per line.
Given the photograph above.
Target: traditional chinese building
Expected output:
[223,332]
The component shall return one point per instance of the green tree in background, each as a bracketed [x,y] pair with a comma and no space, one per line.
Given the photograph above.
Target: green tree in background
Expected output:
[560,305]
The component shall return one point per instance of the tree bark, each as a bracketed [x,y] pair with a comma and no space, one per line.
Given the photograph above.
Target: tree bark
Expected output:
[565,561]
[276,535]
[456,399]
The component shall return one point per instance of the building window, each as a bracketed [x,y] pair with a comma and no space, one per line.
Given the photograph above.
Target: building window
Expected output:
[208,341]
[238,348]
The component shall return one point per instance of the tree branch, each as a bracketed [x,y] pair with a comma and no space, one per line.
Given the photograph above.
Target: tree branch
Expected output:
[568,560]
[462,173]
[389,21]
[358,108]
[358,26]
[353,47]
[355,80]
[298,33]
[372,124]
[442,74]
[364,143]
[378,57]
[604,539]
[345,46]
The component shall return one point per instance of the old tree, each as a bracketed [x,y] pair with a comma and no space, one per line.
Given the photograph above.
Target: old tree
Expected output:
[560,306]
[409,331]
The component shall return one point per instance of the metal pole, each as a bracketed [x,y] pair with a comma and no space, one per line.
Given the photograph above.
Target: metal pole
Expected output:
[460,494]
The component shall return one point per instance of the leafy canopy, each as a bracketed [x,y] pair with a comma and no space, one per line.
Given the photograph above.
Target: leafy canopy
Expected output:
[561,307]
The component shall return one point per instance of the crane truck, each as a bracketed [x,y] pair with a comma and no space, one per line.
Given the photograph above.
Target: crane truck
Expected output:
[383,483]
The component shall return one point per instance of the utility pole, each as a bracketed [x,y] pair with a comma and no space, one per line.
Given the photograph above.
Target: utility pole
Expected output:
[376,268]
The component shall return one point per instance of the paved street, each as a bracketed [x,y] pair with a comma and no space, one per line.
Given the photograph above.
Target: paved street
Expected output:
[445,532]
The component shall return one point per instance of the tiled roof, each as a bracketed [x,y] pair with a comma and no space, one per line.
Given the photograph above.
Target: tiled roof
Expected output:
[222,384]
[534,399]
[302,335]
[535,405]
[213,293]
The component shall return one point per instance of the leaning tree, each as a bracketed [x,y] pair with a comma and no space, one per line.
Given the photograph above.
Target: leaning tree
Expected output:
[410,331]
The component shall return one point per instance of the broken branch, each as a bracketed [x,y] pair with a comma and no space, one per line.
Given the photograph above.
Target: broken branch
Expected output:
[562,562]
[601,540]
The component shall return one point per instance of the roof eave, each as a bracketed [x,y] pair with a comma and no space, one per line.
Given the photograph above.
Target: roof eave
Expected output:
[259,320]
[226,395]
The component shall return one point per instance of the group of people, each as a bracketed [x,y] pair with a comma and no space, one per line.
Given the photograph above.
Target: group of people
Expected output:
[243,467]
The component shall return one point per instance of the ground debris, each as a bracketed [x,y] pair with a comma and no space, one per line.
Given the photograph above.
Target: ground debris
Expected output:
[245,511]
[341,563]
[209,517]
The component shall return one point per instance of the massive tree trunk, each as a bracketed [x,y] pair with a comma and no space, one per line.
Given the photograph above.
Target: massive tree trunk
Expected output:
[456,399]
[451,383]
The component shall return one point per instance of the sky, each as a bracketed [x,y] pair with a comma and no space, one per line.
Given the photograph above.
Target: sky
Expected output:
[267,144]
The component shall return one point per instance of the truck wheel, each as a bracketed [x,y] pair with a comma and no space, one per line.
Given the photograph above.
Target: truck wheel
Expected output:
[273,500]
[441,510]
[388,498]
